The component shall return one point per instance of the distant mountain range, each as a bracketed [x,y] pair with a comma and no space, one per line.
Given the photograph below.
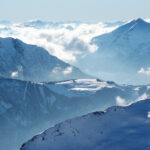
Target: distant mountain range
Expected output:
[27,108]
[32,63]
[116,128]
[121,56]
[38,90]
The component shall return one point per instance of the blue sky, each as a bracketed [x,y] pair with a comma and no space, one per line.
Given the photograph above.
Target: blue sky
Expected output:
[74,10]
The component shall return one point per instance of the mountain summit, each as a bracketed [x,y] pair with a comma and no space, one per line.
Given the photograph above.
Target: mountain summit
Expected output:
[122,53]
[138,24]
[29,62]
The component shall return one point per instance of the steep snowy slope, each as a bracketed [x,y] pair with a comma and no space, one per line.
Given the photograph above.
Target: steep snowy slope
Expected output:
[29,62]
[28,108]
[117,128]
[122,53]
[131,39]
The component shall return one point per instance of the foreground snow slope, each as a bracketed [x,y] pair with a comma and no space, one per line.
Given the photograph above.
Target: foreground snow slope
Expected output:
[29,62]
[27,108]
[117,128]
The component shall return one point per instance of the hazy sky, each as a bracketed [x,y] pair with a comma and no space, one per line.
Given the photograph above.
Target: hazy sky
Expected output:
[74,10]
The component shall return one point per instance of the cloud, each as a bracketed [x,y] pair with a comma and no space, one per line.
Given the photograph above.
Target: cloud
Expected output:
[14,74]
[143,97]
[17,73]
[67,41]
[56,70]
[144,71]
[148,20]
[68,70]
[120,101]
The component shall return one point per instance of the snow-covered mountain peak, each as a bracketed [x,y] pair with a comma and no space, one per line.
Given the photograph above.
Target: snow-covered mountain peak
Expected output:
[137,24]
[140,24]
[139,20]
[30,62]
[127,48]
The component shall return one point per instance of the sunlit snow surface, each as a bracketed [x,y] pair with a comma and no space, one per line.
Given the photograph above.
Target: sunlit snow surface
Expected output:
[79,87]
[117,128]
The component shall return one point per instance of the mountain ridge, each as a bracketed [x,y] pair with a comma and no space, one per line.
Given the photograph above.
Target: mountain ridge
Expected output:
[122,53]
[27,108]
[30,62]
[129,130]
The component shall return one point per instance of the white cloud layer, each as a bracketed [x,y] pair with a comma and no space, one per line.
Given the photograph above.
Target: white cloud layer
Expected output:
[14,74]
[143,97]
[66,41]
[144,71]
[120,101]
[68,70]
[148,20]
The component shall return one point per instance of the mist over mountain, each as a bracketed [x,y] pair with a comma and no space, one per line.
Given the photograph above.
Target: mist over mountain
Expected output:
[74,75]
[28,108]
[65,40]
[121,54]
[116,128]
[29,62]
[40,85]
